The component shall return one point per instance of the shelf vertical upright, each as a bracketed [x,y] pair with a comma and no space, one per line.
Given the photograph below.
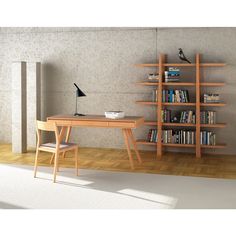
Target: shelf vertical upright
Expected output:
[159,106]
[198,103]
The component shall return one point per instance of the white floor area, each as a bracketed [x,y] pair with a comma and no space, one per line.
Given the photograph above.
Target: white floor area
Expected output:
[110,190]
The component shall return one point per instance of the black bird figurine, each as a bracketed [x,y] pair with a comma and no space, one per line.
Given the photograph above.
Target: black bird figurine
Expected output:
[182,56]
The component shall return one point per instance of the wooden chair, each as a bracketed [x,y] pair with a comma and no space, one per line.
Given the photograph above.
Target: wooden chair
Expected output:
[55,148]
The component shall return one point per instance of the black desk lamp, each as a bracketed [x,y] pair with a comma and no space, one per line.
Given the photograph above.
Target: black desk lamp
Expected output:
[78,93]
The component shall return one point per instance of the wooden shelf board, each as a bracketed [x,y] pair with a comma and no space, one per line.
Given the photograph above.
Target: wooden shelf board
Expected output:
[182,64]
[179,104]
[219,125]
[212,104]
[178,84]
[182,104]
[146,83]
[212,64]
[154,123]
[150,122]
[212,84]
[214,146]
[146,103]
[179,124]
[145,142]
[147,65]
[178,145]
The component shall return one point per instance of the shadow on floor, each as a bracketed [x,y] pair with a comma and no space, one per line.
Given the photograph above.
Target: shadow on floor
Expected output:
[5,205]
[120,183]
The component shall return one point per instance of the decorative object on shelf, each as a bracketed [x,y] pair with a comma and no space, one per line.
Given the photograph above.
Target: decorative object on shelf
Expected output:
[172,74]
[78,93]
[153,77]
[175,119]
[182,56]
[211,98]
[114,114]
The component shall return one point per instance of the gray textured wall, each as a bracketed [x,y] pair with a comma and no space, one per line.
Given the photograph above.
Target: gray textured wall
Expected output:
[101,61]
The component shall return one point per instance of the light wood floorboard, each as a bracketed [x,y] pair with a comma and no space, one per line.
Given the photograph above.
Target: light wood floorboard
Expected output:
[213,166]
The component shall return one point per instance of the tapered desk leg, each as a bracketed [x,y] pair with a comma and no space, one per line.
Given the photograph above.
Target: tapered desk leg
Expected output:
[67,139]
[126,137]
[129,131]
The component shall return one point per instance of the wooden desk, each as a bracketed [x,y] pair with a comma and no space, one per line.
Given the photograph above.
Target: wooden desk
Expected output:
[126,124]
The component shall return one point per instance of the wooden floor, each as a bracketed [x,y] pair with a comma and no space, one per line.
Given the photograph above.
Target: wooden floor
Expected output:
[213,166]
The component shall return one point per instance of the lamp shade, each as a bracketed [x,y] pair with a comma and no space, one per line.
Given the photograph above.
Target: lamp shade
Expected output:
[79,92]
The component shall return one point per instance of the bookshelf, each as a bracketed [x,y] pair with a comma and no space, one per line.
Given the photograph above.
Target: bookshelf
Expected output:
[197,105]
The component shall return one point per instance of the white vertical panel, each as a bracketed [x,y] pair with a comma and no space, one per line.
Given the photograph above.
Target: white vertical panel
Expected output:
[19,125]
[33,100]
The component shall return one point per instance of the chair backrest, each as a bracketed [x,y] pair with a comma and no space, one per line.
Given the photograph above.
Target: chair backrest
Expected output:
[47,126]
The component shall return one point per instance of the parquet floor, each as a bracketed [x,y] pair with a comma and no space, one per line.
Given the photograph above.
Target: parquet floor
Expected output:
[213,166]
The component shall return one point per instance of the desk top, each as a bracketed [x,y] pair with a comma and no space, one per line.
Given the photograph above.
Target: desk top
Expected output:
[98,121]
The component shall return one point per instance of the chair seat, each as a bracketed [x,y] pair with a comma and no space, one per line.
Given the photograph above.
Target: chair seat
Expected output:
[62,145]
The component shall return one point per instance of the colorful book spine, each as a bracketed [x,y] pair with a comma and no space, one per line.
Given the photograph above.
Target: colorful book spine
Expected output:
[152,136]
[187,117]
[208,138]
[178,137]
[208,117]
[180,96]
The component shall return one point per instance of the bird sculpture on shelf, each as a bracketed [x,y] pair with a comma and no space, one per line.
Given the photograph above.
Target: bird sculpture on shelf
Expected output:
[182,56]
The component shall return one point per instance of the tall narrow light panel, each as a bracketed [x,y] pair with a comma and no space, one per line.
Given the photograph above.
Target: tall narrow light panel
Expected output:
[19,125]
[33,100]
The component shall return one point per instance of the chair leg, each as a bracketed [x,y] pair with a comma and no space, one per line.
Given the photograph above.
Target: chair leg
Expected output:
[36,162]
[52,158]
[76,161]
[55,167]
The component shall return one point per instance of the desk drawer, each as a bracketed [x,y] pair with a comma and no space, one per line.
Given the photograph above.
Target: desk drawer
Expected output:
[90,123]
[121,124]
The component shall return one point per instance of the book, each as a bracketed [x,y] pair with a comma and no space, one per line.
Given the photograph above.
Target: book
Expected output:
[211,98]
[178,136]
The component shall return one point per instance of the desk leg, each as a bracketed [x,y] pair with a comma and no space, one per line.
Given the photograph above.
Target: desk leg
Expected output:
[67,139]
[129,131]
[126,137]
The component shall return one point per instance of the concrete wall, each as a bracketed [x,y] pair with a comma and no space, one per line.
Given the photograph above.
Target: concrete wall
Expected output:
[101,61]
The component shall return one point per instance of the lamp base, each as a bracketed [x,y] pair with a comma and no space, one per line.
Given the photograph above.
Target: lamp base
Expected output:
[78,114]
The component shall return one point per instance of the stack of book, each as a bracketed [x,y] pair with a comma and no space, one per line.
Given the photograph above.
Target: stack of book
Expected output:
[208,138]
[211,98]
[208,117]
[188,117]
[166,116]
[152,135]
[178,137]
[172,75]
[175,96]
